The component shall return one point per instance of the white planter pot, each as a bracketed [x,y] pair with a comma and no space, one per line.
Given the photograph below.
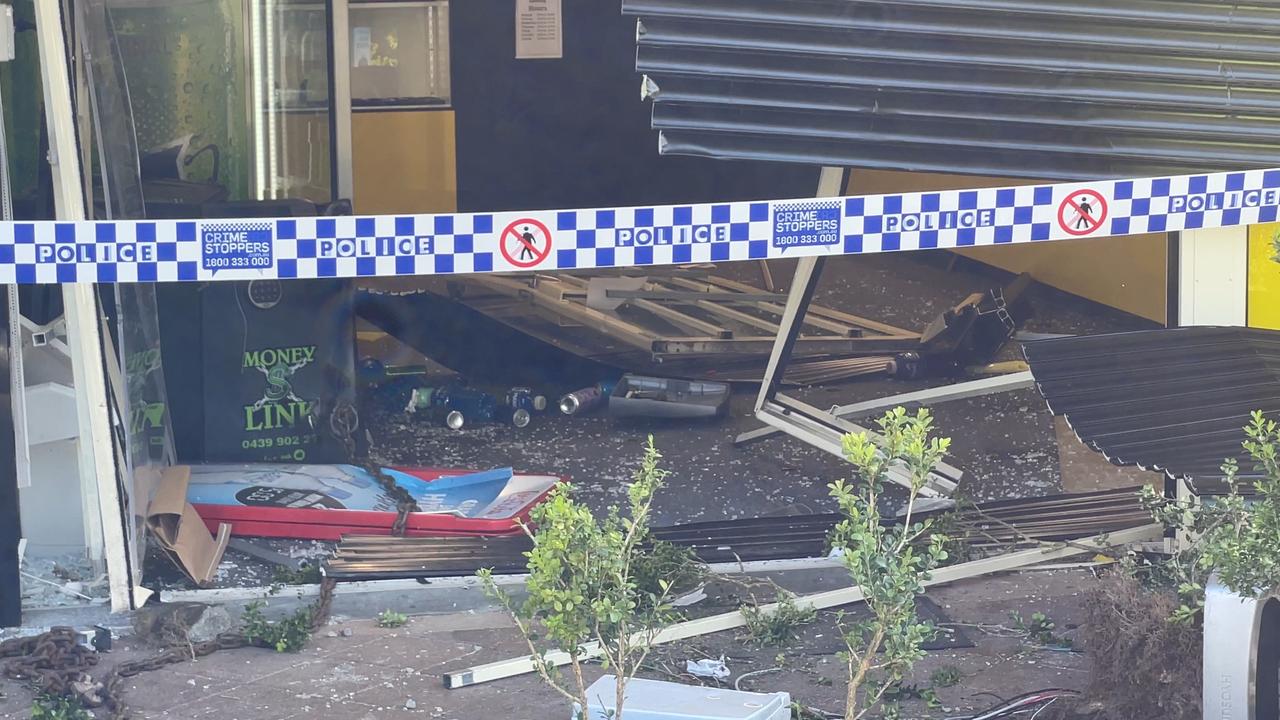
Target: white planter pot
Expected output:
[1241,655]
[658,700]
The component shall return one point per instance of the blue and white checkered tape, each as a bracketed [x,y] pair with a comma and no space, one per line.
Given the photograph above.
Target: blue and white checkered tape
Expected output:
[389,245]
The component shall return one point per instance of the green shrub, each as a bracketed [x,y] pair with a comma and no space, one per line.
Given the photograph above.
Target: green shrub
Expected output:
[290,634]
[885,561]
[390,619]
[58,707]
[779,627]
[585,585]
[1233,537]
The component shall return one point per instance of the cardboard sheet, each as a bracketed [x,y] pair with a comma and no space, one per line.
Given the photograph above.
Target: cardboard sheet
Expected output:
[179,528]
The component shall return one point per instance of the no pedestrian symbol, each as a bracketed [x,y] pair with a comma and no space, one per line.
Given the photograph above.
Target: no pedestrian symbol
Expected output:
[1082,212]
[525,243]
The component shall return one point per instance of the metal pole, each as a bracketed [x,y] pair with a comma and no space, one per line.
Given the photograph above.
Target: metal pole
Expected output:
[340,49]
[808,269]
[800,420]
[97,458]
[10,520]
[932,396]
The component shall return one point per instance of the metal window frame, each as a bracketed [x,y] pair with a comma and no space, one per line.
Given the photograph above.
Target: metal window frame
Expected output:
[340,99]
[813,426]
[98,466]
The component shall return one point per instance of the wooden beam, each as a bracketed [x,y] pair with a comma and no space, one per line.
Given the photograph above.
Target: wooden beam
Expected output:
[841,329]
[766,276]
[816,345]
[681,320]
[739,316]
[686,296]
[616,328]
[826,312]
[819,601]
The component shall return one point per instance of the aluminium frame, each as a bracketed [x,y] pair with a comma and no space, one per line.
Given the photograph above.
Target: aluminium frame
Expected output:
[813,426]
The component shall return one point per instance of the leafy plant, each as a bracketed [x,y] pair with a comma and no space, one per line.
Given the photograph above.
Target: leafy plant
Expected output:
[287,635]
[1233,537]
[583,585]
[58,707]
[946,676]
[885,561]
[391,619]
[898,691]
[306,574]
[1040,629]
[662,561]
[779,627]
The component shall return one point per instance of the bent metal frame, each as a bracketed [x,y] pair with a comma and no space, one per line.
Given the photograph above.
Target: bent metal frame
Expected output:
[78,254]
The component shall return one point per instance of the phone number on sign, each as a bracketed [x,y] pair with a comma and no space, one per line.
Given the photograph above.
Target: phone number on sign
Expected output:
[251,261]
[282,441]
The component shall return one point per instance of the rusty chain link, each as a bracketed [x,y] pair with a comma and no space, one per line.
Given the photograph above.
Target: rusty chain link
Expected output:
[56,663]
[405,502]
[344,426]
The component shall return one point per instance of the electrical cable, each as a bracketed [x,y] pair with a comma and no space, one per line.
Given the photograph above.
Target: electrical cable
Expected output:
[737,682]
[1036,714]
[1037,699]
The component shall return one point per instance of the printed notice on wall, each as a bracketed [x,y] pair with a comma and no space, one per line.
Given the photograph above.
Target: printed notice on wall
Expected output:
[538,29]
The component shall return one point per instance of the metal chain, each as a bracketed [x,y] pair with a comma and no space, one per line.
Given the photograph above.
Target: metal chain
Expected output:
[405,502]
[1001,308]
[56,663]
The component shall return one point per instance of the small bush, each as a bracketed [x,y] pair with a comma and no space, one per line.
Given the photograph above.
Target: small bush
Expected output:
[58,707]
[889,564]
[946,676]
[780,627]
[1145,666]
[288,635]
[663,562]
[307,574]
[390,619]
[1234,537]
[1040,629]
[583,585]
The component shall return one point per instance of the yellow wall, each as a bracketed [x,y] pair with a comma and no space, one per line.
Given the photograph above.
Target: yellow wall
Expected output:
[1128,273]
[1264,278]
[404,161]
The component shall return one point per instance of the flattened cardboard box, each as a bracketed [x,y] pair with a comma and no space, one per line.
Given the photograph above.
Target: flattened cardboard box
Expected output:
[178,528]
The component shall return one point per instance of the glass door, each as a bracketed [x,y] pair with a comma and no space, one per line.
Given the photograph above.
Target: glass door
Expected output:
[289,60]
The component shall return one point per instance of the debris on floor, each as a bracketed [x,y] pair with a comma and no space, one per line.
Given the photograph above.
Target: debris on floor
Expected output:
[61,581]
[649,397]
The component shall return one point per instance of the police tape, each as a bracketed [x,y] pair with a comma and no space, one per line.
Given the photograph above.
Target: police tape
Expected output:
[406,245]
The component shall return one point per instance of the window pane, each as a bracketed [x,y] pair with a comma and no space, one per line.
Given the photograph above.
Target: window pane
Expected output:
[400,54]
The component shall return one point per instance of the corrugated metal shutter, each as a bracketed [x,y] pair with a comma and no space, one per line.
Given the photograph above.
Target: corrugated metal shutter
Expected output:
[1027,88]
[1175,400]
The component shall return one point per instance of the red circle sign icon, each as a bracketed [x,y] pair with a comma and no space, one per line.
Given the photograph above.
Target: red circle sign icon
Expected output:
[1082,213]
[525,243]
